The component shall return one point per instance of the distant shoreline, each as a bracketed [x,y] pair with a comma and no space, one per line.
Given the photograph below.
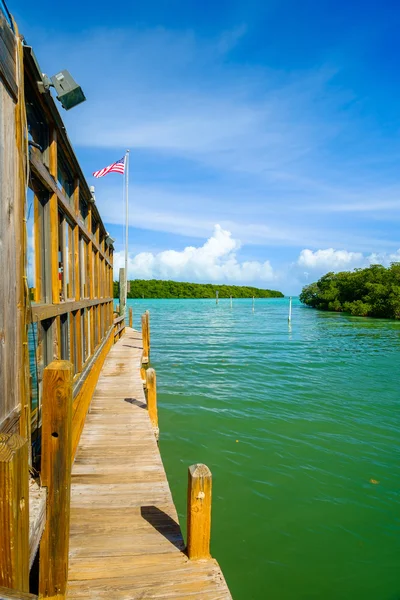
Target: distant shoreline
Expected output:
[177,290]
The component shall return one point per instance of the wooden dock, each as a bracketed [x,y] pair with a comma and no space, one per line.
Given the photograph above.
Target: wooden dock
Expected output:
[125,538]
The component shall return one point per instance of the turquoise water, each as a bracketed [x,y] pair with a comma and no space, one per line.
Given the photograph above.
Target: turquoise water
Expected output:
[300,427]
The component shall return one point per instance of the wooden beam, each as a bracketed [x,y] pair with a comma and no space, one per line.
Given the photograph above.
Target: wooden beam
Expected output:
[38,248]
[53,209]
[151,386]
[130,316]
[14,512]
[145,341]
[48,311]
[56,476]
[199,512]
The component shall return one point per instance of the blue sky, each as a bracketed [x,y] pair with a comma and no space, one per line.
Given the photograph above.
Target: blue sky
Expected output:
[264,136]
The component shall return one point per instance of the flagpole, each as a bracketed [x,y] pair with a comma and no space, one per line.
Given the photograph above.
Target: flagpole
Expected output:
[126,222]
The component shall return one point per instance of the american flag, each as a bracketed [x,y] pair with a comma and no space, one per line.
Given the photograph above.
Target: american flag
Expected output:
[117,167]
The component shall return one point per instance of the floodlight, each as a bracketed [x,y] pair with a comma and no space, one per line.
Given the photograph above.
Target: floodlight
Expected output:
[69,93]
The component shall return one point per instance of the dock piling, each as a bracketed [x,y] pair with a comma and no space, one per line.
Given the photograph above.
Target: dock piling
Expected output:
[199,512]
[151,386]
[145,338]
[14,516]
[56,476]
[130,316]
[290,310]
[148,332]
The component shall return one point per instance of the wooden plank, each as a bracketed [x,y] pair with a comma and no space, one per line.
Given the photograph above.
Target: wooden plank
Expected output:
[125,539]
[7,594]
[9,374]
[37,517]
[14,512]
[8,71]
[56,476]
[84,396]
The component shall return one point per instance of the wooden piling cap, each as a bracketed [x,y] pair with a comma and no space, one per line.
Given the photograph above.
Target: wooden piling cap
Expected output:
[59,365]
[9,444]
[199,471]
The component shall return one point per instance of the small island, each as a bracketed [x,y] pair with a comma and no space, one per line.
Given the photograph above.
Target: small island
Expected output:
[370,292]
[157,288]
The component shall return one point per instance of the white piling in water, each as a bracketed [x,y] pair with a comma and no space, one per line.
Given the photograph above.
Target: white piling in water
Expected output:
[216,297]
[290,310]
[231,301]
[253,304]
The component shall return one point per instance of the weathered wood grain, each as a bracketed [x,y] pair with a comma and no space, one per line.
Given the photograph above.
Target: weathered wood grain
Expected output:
[7,594]
[14,512]
[37,517]
[56,476]
[125,538]
[8,73]
[151,388]
[199,512]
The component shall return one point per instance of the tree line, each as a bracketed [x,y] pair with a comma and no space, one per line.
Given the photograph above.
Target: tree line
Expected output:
[370,292]
[156,288]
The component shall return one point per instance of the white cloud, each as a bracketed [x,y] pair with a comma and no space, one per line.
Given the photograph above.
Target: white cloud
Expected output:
[330,259]
[215,261]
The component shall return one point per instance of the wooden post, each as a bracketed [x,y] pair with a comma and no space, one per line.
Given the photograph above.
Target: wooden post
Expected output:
[14,512]
[122,292]
[53,217]
[56,476]
[145,340]
[130,316]
[290,310]
[117,309]
[151,385]
[148,332]
[199,512]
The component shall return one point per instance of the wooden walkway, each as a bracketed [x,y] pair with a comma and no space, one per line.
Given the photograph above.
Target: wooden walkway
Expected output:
[125,540]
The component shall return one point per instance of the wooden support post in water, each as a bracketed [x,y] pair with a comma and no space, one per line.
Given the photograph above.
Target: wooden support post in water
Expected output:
[122,292]
[151,385]
[56,476]
[145,339]
[199,512]
[216,297]
[14,512]
[253,304]
[148,332]
[130,316]
[290,310]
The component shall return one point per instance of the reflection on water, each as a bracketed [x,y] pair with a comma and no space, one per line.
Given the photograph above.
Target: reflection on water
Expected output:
[300,425]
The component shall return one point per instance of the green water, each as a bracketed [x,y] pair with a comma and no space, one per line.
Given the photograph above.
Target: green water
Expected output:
[316,412]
